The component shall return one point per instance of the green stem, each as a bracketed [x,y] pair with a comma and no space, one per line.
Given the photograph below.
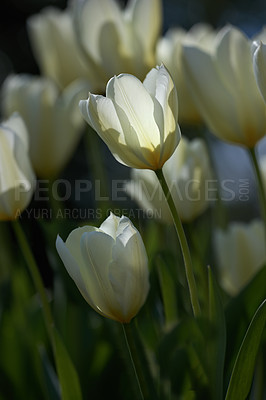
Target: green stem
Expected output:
[134,359]
[262,194]
[36,277]
[57,205]
[96,165]
[183,243]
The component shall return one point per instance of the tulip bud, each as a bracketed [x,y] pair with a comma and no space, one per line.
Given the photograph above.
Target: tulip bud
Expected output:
[53,119]
[17,180]
[109,266]
[169,52]
[187,173]
[138,122]
[259,65]
[224,88]
[240,252]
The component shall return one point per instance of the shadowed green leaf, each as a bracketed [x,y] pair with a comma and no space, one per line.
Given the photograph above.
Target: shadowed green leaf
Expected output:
[168,288]
[239,313]
[70,387]
[216,346]
[241,378]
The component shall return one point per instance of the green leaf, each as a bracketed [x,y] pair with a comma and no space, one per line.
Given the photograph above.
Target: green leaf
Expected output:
[51,382]
[241,378]
[68,377]
[239,313]
[182,357]
[168,289]
[217,345]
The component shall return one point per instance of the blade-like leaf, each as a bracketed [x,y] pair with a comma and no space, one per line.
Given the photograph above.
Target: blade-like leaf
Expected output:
[239,313]
[216,346]
[68,377]
[168,288]
[50,378]
[241,378]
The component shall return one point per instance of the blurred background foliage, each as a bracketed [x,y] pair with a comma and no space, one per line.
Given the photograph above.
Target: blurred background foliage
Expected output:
[94,343]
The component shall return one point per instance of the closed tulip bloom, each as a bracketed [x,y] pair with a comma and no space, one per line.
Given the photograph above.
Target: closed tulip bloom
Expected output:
[259,64]
[52,118]
[109,266]
[119,40]
[240,252]
[17,179]
[224,88]
[169,52]
[55,47]
[137,121]
[187,174]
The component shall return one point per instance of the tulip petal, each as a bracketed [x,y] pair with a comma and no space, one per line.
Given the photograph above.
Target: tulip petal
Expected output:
[259,65]
[94,15]
[129,266]
[101,114]
[130,95]
[234,63]
[147,21]
[212,98]
[71,255]
[96,249]
[10,171]
[55,46]
[160,85]
[72,260]
[109,226]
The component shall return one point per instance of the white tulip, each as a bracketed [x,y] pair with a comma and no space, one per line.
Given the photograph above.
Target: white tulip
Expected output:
[17,179]
[109,266]
[53,119]
[240,252]
[224,88]
[56,49]
[138,122]
[119,40]
[169,52]
[187,174]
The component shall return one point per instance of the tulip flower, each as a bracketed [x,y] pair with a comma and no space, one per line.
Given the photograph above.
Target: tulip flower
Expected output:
[259,65]
[17,179]
[117,40]
[224,88]
[187,173]
[240,252]
[55,47]
[169,52]
[137,121]
[53,119]
[109,266]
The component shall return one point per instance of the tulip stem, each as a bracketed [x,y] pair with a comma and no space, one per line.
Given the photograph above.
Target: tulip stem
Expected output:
[262,194]
[184,245]
[133,357]
[36,277]
[96,166]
